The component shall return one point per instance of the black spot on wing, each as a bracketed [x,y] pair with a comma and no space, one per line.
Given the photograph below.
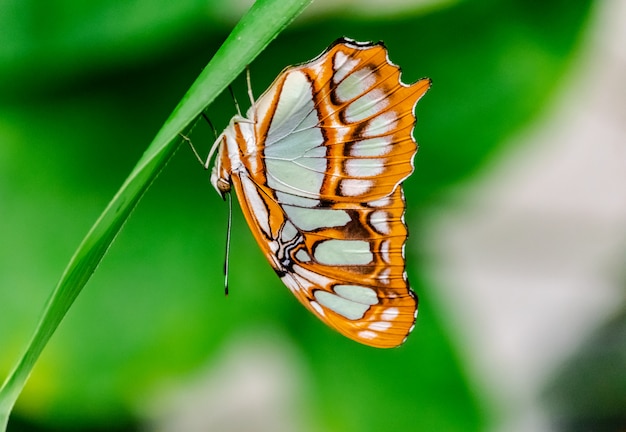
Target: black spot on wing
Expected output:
[355,229]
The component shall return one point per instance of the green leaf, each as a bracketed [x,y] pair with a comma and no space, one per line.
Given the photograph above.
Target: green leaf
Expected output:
[252,34]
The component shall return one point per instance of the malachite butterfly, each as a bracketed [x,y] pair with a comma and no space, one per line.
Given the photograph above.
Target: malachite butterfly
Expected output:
[317,165]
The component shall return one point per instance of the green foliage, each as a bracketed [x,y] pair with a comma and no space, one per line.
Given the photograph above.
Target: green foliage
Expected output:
[262,23]
[86,85]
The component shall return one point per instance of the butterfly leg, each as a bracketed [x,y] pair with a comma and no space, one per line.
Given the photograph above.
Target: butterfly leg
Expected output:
[204,163]
[249,82]
[193,149]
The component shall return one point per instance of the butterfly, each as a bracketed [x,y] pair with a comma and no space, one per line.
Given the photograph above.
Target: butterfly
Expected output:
[317,165]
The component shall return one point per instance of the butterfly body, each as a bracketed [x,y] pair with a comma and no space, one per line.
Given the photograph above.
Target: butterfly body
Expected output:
[317,165]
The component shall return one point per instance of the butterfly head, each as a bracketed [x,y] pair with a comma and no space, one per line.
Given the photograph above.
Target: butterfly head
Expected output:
[219,182]
[220,176]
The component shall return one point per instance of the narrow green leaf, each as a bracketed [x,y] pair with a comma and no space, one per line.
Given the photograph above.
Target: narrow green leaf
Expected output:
[252,34]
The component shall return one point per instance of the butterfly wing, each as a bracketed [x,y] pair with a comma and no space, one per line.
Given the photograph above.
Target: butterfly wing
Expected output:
[318,170]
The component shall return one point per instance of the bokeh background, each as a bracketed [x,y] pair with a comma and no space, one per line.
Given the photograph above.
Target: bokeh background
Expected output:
[516,211]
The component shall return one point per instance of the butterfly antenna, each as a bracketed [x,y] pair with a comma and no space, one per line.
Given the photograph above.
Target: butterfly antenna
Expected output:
[232,94]
[193,149]
[208,120]
[215,144]
[227,258]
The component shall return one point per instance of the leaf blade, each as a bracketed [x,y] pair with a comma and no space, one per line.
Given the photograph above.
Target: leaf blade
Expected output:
[261,24]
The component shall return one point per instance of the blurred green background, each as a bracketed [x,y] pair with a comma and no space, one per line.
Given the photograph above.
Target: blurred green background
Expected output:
[152,343]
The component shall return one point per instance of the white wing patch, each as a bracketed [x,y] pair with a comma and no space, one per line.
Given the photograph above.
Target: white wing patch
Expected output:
[357,294]
[343,252]
[355,84]
[347,308]
[343,65]
[311,219]
[366,106]
[364,167]
[355,187]
[381,125]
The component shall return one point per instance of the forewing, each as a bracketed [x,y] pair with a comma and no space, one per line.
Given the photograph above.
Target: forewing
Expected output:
[339,128]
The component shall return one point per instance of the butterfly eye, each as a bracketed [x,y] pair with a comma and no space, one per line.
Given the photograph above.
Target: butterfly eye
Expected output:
[318,169]
[223,186]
